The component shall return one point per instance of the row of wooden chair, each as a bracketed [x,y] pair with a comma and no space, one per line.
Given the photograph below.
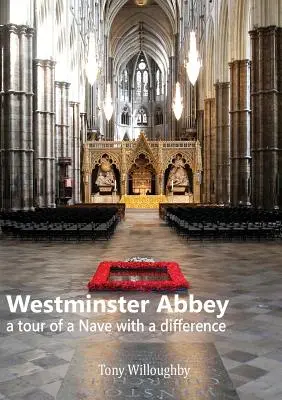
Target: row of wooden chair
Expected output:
[225,224]
[62,224]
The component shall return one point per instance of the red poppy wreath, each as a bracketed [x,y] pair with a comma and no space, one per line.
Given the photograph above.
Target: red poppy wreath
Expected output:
[140,275]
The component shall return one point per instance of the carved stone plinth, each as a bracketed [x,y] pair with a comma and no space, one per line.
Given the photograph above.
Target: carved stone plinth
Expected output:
[105,189]
[179,190]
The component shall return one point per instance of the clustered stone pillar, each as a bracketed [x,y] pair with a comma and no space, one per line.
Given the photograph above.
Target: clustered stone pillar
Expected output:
[44,133]
[63,142]
[171,91]
[209,178]
[266,86]
[16,144]
[75,127]
[222,90]
[240,121]
[83,127]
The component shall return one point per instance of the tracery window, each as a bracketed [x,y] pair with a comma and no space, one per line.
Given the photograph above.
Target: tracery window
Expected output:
[125,116]
[145,83]
[124,85]
[138,83]
[159,119]
[158,83]
[142,117]
[142,78]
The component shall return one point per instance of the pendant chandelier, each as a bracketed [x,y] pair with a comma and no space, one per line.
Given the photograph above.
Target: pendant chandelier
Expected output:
[177,104]
[194,63]
[91,67]
[108,103]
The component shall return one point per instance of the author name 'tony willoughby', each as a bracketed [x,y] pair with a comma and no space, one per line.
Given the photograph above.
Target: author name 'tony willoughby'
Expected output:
[145,370]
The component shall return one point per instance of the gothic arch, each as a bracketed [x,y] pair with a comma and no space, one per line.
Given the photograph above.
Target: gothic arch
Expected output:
[223,37]
[240,41]
[148,64]
[209,61]
[95,160]
[168,160]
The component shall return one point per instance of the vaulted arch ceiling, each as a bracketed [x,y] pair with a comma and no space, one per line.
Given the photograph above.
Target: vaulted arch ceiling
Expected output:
[132,28]
[151,38]
[110,9]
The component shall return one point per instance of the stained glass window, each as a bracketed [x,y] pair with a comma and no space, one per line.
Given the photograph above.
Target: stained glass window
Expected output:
[145,83]
[124,86]
[138,83]
[158,83]
[142,117]
[142,78]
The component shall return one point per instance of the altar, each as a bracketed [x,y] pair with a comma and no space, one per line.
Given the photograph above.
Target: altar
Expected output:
[143,201]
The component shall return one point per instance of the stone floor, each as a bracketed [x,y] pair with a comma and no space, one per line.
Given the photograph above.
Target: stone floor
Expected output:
[33,366]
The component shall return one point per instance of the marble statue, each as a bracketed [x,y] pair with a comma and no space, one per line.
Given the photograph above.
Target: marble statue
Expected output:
[178,175]
[106,176]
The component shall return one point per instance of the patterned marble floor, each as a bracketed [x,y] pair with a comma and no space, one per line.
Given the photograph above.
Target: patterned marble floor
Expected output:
[33,366]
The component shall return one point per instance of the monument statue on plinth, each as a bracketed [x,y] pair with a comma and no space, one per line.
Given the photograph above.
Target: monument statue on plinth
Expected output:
[178,176]
[106,177]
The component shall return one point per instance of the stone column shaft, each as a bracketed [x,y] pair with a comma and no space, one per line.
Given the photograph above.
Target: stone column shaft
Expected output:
[62,120]
[171,120]
[240,118]
[222,90]
[16,117]
[209,195]
[83,128]
[267,117]
[63,136]
[75,125]
[44,133]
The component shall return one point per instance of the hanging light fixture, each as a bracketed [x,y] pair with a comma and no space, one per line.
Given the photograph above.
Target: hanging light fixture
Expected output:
[91,67]
[194,63]
[108,103]
[177,104]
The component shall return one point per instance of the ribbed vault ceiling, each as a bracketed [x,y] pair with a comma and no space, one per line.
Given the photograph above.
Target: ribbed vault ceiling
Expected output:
[132,28]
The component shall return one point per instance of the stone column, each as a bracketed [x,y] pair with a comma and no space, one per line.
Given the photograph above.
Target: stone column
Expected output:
[266,84]
[75,128]
[196,187]
[240,114]
[16,136]
[171,120]
[200,120]
[210,174]
[63,141]
[86,174]
[44,133]
[87,186]
[222,91]
[83,128]
[123,171]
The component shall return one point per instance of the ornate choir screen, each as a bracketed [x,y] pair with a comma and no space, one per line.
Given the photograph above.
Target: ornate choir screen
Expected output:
[115,169]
